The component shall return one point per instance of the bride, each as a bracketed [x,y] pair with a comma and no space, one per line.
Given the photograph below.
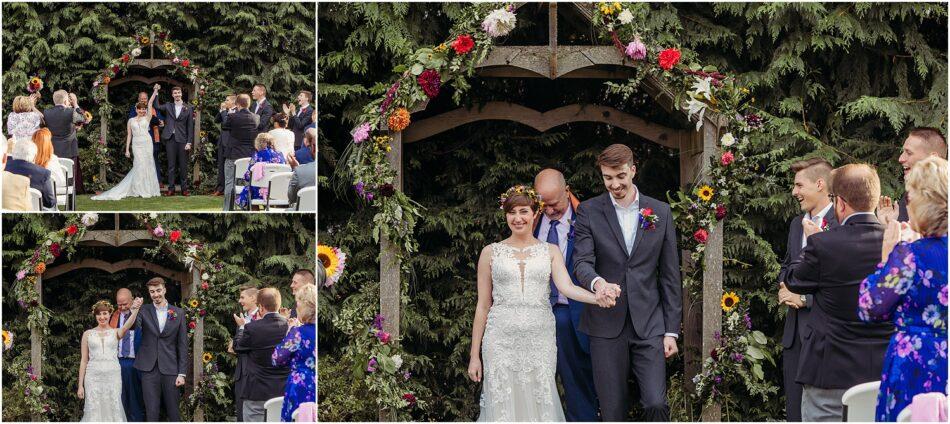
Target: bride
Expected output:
[514,325]
[100,377]
[142,180]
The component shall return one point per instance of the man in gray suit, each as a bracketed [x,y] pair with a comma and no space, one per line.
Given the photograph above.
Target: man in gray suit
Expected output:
[615,242]
[61,120]
[162,357]
[178,132]
[304,175]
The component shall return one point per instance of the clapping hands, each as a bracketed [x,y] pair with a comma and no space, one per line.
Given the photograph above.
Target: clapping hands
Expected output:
[887,210]
[606,293]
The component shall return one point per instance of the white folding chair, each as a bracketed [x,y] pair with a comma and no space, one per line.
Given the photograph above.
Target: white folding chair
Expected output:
[277,191]
[272,409]
[904,416]
[69,191]
[36,199]
[269,170]
[307,199]
[240,167]
[860,402]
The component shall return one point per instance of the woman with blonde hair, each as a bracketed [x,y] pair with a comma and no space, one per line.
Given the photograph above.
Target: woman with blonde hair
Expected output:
[298,350]
[24,120]
[910,290]
[45,157]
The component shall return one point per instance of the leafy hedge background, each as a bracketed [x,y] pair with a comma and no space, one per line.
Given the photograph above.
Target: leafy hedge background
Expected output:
[261,249]
[238,44]
[843,81]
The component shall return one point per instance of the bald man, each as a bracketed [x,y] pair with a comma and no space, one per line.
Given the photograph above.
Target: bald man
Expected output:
[131,379]
[921,143]
[556,226]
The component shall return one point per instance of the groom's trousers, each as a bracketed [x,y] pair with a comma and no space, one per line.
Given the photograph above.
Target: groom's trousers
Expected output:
[613,359]
[159,390]
[574,369]
[177,156]
[131,390]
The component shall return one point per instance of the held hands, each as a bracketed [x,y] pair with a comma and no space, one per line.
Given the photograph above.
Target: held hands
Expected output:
[786,297]
[475,369]
[137,303]
[156,87]
[180,381]
[887,210]
[606,293]
[188,146]
[809,227]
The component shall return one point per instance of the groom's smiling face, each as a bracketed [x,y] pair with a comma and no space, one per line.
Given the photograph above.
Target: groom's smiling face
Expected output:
[618,180]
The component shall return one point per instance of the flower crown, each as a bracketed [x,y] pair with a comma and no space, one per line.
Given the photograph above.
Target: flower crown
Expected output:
[102,303]
[520,190]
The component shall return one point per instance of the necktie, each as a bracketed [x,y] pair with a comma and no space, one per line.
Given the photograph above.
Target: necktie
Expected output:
[126,346]
[552,238]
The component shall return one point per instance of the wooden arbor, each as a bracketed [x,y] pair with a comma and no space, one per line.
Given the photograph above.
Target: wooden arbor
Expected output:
[152,63]
[702,318]
[123,238]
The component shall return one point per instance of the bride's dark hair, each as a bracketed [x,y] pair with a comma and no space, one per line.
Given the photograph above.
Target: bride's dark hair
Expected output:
[141,105]
[102,305]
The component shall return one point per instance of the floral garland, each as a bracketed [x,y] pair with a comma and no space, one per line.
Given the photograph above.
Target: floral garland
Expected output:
[385,374]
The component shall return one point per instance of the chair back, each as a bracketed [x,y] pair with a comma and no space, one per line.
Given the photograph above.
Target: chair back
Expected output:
[36,199]
[272,409]
[279,182]
[307,199]
[860,402]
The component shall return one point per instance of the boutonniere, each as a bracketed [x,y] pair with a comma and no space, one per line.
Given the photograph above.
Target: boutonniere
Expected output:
[825,226]
[172,314]
[648,219]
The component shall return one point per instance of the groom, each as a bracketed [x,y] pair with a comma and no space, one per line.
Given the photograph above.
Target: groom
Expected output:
[177,134]
[616,243]
[163,356]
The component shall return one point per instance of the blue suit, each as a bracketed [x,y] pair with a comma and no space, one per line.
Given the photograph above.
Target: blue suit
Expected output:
[131,378]
[573,347]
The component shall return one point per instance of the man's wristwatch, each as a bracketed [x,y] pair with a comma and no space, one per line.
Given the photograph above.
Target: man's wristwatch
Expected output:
[802,298]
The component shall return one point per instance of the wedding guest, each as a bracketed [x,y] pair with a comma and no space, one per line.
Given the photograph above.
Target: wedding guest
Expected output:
[921,143]
[305,154]
[154,126]
[283,138]
[812,182]
[24,120]
[264,144]
[909,289]
[304,176]
[300,119]
[298,351]
[261,107]
[301,278]
[24,154]
[16,193]
[258,339]
[128,345]
[313,121]
[839,350]
[61,120]
[224,140]
[248,302]
[241,126]
[47,159]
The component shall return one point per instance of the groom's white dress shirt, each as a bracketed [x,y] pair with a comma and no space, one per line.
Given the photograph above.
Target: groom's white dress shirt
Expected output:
[178,106]
[161,313]
[815,219]
[563,228]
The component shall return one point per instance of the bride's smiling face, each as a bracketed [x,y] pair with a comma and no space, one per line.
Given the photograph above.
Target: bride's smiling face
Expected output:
[102,317]
[141,111]
[520,219]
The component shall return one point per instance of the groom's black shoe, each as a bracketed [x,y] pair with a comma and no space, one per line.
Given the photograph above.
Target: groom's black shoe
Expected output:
[169,193]
[185,193]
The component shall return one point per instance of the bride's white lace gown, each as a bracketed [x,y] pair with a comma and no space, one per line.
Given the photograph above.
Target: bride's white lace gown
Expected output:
[103,383]
[142,180]
[519,350]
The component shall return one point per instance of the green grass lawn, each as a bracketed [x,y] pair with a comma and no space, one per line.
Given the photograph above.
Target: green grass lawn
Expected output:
[168,204]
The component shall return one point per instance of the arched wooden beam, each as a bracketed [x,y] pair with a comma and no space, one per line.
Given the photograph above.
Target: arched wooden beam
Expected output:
[148,80]
[543,121]
[117,238]
[113,268]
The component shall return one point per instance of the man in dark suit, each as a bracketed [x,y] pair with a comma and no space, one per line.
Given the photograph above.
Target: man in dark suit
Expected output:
[130,343]
[615,243]
[812,184]
[178,133]
[248,302]
[61,120]
[261,107]
[921,143]
[258,339]
[838,349]
[24,154]
[556,226]
[224,143]
[154,126]
[162,358]
[242,127]
[299,119]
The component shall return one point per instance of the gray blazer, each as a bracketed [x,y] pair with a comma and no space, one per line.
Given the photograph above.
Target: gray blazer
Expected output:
[304,176]
[181,128]
[61,122]
[649,278]
[167,348]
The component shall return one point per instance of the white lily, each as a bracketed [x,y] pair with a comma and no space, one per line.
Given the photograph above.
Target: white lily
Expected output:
[696,107]
[703,87]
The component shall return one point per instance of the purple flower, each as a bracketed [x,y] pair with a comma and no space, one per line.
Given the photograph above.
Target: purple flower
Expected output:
[27,391]
[360,189]
[371,367]
[717,379]
[738,357]
[406,375]
[158,231]
[636,50]
[369,197]
[21,303]
[22,274]
[361,133]
[389,98]
[747,320]
[717,336]
[378,321]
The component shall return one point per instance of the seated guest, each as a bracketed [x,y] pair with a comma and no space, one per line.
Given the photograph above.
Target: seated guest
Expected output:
[838,349]
[304,176]
[297,351]
[909,289]
[258,339]
[304,154]
[16,192]
[24,120]
[248,302]
[46,158]
[283,138]
[264,144]
[40,178]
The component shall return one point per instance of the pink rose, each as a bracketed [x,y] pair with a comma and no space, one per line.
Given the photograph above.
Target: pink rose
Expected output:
[727,158]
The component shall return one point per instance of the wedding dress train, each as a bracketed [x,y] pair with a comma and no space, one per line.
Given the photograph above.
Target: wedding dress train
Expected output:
[142,180]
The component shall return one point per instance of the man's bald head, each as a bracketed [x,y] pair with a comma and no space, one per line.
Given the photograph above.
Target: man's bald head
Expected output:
[123,299]
[552,187]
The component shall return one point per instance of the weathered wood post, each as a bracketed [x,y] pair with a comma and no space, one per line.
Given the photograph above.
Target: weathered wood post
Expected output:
[36,340]
[103,136]
[198,342]
[712,264]
[196,146]
[390,281]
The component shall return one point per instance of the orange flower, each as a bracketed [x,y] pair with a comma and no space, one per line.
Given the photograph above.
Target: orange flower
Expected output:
[40,268]
[399,120]
[106,80]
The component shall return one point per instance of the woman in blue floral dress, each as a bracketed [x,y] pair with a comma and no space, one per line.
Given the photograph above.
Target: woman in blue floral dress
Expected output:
[910,289]
[266,153]
[298,350]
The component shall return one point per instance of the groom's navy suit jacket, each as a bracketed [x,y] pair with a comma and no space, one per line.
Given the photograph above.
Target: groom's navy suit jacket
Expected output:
[167,348]
[649,277]
[179,129]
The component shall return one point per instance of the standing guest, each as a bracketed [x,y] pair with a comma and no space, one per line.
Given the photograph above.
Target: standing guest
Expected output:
[128,345]
[921,143]
[61,120]
[264,144]
[241,126]
[301,278]
[313,121]
[839,350]
[248,302]
[298,351]
[24,120]
[224,141]
[304,176]
[257,339]
[261,107]
[909,289]
[306,153]
[24,154]
[812,182]
[46,158]
[283,138]
[154,126]
[300,119]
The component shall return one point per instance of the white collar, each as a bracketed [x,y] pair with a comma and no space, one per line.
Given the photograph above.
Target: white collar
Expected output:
[254,312]
[179,102]
[634,205]
[262,100]
[822,213]
[564,219]
[845,221]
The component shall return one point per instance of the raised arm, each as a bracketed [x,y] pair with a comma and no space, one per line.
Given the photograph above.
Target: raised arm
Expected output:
[151,103]
[83,361]
[878,295]
[481,314]
[129,323]
[562,280]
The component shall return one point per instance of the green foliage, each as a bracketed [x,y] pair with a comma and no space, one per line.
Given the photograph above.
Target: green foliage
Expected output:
[842,81]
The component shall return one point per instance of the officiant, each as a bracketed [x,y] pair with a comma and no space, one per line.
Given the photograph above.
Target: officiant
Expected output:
[128,345]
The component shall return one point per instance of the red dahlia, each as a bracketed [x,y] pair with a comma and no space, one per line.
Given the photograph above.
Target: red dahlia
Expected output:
[430,81]
[463,44]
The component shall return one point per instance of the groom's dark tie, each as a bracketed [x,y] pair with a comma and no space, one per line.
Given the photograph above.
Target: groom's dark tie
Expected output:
[552,238]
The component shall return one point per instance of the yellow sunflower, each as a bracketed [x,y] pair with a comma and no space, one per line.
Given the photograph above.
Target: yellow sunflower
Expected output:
[327,257]
[207,357]
[705,193]
[193,303]
[729,301]
[7,339]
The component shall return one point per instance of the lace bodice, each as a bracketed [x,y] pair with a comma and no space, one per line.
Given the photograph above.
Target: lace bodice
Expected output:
[139,127]
[520,276]
[103,345]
